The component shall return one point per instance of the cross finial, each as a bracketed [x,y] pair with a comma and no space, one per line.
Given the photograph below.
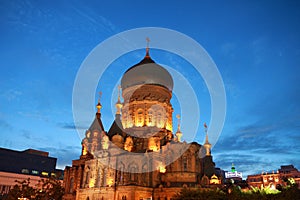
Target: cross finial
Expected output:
[205,127]
[100,95]
[119,92]
[119,105]
[99,106]
[148,41]
[206,135]
[178,122]
[147,48]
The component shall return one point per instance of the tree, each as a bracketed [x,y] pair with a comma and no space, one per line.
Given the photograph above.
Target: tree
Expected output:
[47,189]
[197,194]
[50,189]
[21,190]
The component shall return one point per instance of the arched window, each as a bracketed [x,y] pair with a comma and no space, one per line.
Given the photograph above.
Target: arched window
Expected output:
[130,120]
[87,177]
[150,118]
[185,164]
[71,185]
[140,118]
[159,120]
[133,172]
[120,174]
[95,134]
[169,162]
[124,119]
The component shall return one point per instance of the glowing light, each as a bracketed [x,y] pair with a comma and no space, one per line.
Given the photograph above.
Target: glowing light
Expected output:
[214,180]
[92,183]
[84,151]
[169,127]
[265,180]
[139,124]
[128,144]
[233,174]
[152,145]
[110,182]
[45,173]
[162,168]
[273,187]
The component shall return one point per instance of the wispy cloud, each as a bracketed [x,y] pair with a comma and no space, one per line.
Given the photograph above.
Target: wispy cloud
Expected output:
[71,126]
[65,154]
[11,94]
[26,134]
[34,114]
[5,125]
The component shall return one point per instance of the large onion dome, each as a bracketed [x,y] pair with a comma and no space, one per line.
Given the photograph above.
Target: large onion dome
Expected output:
[147,72]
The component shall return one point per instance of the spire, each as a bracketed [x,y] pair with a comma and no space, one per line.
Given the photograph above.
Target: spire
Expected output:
[178,132]
[99,106]
[233,168]
[97,123]
[206,145]
[119,104]
[116,128]
[206,135]
[147,48]
[178,122]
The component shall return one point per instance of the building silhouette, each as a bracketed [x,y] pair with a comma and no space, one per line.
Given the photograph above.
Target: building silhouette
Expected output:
[21,165]
[140,156]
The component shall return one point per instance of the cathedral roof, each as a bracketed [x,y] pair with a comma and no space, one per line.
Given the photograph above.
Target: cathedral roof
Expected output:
[116,127]
[147,72]
[97,124]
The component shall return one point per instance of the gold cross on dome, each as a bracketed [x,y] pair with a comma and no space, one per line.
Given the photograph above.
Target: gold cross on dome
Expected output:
[148,41]
[100,95]
[119,92]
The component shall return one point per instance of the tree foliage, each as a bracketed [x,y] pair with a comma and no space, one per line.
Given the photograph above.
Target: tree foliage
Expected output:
[46,189]
[234,193]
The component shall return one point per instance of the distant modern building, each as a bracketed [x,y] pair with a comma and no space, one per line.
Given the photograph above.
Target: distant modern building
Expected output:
[140,157]
[233,175]
[21,165]
[275,179]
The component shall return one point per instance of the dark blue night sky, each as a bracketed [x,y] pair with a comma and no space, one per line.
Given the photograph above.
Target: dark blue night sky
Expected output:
[255,45]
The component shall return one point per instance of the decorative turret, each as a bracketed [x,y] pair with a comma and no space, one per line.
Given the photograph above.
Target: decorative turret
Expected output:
[99,106]
[207,145]
[90,144]
[178,132]
[115,132]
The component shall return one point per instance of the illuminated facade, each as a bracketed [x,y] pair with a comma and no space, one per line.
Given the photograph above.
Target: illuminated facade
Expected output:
[139,157]
[215,180]
[275,179]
